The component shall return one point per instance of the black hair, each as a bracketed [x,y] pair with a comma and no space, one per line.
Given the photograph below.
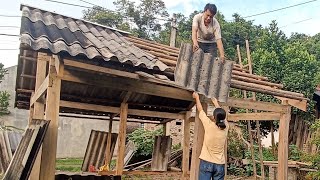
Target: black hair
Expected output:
[219,115]
[211,7]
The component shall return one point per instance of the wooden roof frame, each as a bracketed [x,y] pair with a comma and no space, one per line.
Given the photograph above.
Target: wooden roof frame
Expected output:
[50,85]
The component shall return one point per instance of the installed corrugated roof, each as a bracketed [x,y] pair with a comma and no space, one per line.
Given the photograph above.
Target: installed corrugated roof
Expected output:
[43,30]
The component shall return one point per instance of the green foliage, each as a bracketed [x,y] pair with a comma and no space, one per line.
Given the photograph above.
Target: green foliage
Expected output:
[144,140]
[314,158]
[236,147]
[4,96]
[4,102]
[176,147]
[69,164]
[103,16]
[144,15]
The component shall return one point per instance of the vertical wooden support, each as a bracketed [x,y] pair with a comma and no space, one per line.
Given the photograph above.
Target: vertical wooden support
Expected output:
[108,148]
[49,146]
[257,122]
[167,129]
[122,137]
[37,111]
[283,143]
[273,143]
[186,145]
[197,145]
[226,108]
[173,34]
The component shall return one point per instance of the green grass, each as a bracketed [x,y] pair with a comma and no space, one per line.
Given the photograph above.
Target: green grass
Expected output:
[69,164]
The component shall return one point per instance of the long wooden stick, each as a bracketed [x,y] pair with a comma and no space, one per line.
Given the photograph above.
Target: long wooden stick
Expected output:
[248,124]
[257,122]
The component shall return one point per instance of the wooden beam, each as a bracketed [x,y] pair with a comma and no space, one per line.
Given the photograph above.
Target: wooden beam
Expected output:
[110,109]
[186,145]
[125,84]
[106,119]
[126,97]
[283,144]
[251,104]
[40,91]
[49,147]
[300,104]
[122,138]
[58,65]
[262,116]
[197,144]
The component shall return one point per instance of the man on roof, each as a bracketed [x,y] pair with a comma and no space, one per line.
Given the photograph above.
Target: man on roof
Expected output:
[212,158]
[206,32]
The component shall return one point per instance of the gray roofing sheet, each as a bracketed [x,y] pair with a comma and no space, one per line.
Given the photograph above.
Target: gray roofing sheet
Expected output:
[202,73]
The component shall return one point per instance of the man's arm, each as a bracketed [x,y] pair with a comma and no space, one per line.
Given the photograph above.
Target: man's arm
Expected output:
[221,49]
[195,38]
[198,103]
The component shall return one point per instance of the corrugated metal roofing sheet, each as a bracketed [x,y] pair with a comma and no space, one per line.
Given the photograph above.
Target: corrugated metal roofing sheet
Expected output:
[42,30]
[26,153]
[96,149]
[201,73]
[5,151]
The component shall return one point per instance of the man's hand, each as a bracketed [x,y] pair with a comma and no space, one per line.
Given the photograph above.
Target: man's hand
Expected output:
[195,46]
[195,95]
[222,58]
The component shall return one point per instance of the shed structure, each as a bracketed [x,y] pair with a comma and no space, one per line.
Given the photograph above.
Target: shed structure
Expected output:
[68,65]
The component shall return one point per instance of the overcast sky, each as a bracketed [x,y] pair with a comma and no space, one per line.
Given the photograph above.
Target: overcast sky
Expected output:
[302,19]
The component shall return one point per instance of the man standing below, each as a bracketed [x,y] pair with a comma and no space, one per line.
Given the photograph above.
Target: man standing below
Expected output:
[206,33]
[212,157]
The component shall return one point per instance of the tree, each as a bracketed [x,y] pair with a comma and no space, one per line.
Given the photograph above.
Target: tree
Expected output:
[144,16]
[4,96]
[106,17]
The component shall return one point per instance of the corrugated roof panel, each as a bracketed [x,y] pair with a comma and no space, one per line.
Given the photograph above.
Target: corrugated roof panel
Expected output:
[96,149]
[42,30]
[200,72]
[5,151]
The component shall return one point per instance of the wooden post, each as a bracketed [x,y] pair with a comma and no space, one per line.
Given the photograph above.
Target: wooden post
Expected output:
[186,145]
[273,143]
[283,143]
[49,147]
[37,111]
[226,108]
[197,145]
[108,148]
[122,138]
[167,129]
[173,35]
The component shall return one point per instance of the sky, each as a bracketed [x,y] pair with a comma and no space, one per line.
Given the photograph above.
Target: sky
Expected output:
[289,20]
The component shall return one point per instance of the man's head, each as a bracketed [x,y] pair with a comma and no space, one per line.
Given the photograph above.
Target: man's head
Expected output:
[209,11]
[219,115]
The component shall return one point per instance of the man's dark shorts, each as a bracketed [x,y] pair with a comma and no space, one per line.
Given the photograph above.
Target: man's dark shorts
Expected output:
[209,48]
